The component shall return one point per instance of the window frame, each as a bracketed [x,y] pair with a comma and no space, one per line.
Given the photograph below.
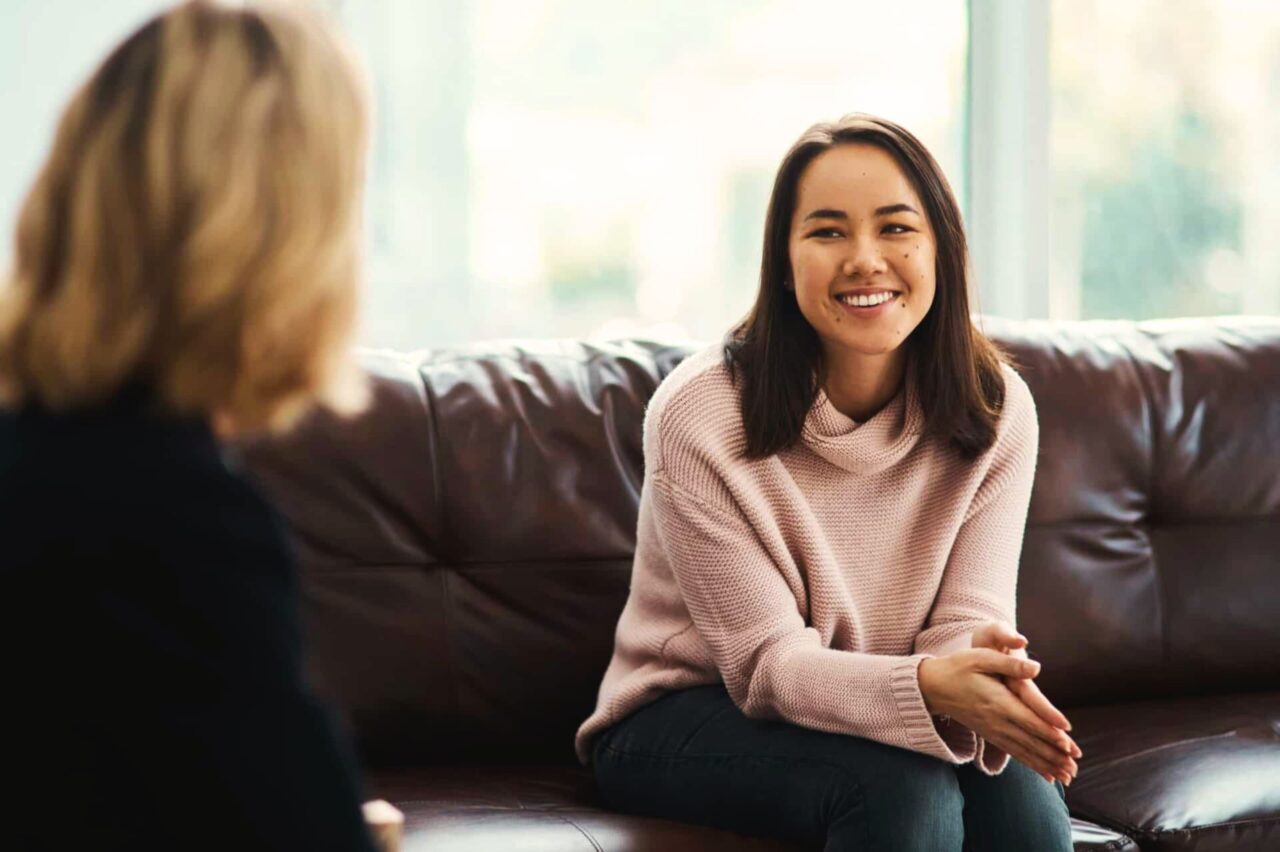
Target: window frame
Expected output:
[1007,188]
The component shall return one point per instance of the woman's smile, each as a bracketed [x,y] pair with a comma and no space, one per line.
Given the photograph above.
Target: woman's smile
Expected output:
[867,305]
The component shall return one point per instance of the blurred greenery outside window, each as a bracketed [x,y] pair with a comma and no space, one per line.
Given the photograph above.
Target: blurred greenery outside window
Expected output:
[1165,152]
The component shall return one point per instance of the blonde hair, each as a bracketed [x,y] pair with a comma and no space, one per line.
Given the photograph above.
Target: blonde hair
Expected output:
[196,228]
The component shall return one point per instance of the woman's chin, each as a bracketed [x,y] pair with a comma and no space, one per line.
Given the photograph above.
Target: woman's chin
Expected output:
[864,344]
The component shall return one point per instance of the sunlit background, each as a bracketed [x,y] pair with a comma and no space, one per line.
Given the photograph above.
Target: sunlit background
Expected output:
[600,169]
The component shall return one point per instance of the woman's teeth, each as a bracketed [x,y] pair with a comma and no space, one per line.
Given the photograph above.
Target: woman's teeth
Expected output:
[866,301]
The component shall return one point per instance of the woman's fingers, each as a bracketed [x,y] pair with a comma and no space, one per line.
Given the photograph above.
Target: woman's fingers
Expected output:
[1023,721]
[1003,715]
[999,636]
[1010,638]
[993,662]
[1031,696]
[1058,761]
[1056,744]
[1061,762]
[1009,740]
[1041,760]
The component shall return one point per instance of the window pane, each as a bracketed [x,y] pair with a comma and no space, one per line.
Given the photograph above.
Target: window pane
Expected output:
[1164,140]
[583,168]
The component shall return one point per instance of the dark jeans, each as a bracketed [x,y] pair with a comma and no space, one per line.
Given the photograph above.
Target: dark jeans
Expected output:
[693,756]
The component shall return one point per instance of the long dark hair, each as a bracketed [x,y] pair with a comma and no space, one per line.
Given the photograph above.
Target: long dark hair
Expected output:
[776,356]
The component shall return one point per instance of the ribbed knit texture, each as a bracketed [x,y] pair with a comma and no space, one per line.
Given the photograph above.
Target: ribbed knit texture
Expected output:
[813,582]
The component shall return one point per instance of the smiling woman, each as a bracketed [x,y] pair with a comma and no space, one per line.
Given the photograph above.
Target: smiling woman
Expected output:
[859,207]
[783,670]
[862,252]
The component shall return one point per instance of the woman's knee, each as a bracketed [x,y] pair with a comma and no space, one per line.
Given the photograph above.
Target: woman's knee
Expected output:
[927,808]
[1017,809]
[905,801]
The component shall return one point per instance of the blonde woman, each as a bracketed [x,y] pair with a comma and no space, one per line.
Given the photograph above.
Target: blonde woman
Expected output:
[184,271]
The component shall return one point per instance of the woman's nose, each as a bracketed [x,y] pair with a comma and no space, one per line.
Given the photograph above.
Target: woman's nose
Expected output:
[864,260]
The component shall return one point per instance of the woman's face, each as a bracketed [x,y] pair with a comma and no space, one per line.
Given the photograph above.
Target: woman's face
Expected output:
[862,252]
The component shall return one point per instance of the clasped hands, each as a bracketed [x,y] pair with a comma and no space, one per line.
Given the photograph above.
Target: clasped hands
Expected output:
[990,689]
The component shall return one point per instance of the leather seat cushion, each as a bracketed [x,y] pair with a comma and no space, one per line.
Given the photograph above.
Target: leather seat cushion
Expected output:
[1183,774]
[528,808]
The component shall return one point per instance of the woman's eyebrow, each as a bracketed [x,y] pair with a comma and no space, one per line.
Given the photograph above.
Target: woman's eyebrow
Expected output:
[896,208]
[887,210]
[826,213]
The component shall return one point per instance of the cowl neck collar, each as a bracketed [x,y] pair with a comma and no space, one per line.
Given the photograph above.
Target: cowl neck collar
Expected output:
[872,445]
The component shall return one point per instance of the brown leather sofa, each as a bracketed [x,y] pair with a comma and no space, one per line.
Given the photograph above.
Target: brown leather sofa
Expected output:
[466,547]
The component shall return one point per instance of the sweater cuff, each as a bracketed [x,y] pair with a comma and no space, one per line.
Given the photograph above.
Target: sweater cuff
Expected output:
[953,743]
[990,759]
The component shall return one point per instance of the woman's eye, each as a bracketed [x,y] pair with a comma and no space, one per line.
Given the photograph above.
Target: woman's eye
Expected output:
[827,233]
[894,228]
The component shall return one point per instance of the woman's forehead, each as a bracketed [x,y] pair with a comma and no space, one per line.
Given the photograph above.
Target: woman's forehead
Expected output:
[854,177]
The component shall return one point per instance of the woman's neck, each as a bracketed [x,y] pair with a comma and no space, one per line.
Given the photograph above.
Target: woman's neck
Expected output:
[858,386]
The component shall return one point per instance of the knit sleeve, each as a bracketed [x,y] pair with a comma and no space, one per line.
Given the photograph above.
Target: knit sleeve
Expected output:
[979,584]
[772,663]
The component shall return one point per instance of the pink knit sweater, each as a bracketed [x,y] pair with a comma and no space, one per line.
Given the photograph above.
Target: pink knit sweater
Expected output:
[815,581]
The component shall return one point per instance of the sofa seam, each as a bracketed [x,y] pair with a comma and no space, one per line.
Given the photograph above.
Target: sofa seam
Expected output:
[455,699]
[1147,522]
[1151,414]
[1204,520]
[1132,832]
[497,564]
[1137,833]
[448,540]
[484,357]
[594,845]
[542,812]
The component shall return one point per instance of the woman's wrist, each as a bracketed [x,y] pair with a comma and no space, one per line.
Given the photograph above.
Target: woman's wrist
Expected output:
[925,680]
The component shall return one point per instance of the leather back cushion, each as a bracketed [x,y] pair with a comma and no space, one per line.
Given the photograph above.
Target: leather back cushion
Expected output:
[466,543]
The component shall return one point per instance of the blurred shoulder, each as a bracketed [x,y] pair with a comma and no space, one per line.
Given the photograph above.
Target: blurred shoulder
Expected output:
[125,480]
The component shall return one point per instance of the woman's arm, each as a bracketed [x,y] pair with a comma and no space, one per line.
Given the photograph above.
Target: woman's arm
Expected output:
[772,663]
[979,584]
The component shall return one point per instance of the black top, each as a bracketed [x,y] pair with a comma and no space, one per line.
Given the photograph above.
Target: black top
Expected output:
[152,676]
